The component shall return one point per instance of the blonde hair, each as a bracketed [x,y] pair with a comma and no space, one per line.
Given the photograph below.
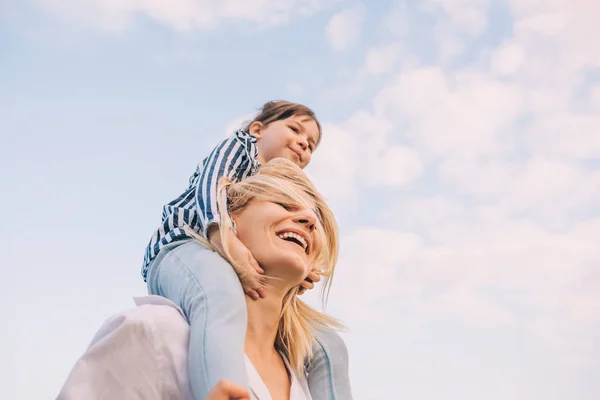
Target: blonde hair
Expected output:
[281,180]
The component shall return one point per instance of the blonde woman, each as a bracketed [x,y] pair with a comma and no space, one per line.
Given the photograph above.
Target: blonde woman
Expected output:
[284,222]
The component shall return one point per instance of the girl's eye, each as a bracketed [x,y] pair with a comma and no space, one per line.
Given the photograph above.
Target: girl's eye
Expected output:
[294,129]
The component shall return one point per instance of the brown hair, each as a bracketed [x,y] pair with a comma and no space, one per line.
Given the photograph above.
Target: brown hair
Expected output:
[280,109]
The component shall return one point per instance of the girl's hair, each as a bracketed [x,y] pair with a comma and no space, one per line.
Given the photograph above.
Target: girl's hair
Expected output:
[280,109]
[282,181]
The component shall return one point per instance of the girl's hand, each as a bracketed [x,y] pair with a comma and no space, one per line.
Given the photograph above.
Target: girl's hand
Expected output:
[225,390]
[308,283]
[243,262]
[250,273]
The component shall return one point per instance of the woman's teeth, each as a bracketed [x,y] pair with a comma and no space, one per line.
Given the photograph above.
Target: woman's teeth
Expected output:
[295,236]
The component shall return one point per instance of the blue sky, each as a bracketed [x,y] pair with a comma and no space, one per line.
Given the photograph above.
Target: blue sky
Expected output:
[461,154]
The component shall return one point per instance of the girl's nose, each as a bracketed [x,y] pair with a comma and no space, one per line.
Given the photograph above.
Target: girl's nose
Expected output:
[302,142]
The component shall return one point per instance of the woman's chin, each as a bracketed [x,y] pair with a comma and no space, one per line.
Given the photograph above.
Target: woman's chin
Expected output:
[290,270]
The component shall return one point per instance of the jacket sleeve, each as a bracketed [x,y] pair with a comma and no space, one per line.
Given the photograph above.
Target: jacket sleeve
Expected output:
[128,359]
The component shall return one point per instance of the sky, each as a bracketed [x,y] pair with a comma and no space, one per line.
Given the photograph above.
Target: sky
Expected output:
[460,153]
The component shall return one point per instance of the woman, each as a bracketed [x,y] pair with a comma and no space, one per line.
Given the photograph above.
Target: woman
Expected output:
[283,221]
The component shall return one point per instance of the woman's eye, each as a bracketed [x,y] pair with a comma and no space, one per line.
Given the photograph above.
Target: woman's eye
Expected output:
[285,206]
[294,129]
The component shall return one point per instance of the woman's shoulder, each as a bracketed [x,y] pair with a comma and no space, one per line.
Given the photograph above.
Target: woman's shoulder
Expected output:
[135,344]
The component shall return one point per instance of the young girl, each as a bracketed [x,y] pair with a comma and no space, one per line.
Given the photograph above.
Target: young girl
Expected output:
[208,288]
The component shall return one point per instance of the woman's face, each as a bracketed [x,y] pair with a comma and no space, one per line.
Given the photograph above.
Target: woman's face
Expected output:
[282,239]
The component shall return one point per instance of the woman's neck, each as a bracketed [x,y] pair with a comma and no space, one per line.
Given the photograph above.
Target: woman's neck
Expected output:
[263,321]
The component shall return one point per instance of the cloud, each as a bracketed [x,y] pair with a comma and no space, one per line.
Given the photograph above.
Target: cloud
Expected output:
[397,166]
[334,167]
[465,15]
[355,153]
[182,15]
[463,113]
[484,270]
[359,271]
[344,28]
[507,59]
[383,59]
[508,236]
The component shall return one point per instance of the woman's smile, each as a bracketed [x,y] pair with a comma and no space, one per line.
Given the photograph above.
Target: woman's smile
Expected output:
[296,237]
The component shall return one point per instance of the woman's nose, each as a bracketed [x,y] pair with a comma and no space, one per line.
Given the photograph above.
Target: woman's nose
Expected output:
[307,218]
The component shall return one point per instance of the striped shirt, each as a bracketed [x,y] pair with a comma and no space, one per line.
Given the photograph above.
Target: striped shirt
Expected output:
[235,157]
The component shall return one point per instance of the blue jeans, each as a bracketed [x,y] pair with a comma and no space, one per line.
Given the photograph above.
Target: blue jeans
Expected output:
[209,292]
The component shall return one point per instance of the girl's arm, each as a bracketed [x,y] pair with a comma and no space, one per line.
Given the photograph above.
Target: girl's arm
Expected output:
[234,158]
[242,261]
[230,158]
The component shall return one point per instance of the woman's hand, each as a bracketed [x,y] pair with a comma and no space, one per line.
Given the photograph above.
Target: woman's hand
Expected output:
[308,283]
[226,390]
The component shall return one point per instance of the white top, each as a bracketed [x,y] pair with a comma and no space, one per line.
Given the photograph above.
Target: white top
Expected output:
[141,353]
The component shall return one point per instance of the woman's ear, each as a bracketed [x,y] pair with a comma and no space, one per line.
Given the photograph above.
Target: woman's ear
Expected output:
[233,224]
[255,129]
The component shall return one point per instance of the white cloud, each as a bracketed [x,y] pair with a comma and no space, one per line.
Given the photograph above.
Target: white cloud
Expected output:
[383,59]
[117,15]
[557,35]
[502,238]
[546,190]
[334,167]
[565,134]
[595,98]
[465,15]
[360,270]
[551,191]
[344,28]
[449,45]
[483,252]
[397,166]
[356,152]
[486,271]
[397,21]
[460,114]
[421,214]
[507,59]
[481,177]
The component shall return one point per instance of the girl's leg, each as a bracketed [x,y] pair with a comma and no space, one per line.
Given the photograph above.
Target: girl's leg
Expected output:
[209,292]
[328,369]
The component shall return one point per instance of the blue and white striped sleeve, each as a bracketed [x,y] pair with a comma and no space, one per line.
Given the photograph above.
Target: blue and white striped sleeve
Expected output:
[224,160]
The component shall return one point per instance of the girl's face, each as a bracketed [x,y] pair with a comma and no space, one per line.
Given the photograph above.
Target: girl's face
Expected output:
[282,238]
[293,138]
